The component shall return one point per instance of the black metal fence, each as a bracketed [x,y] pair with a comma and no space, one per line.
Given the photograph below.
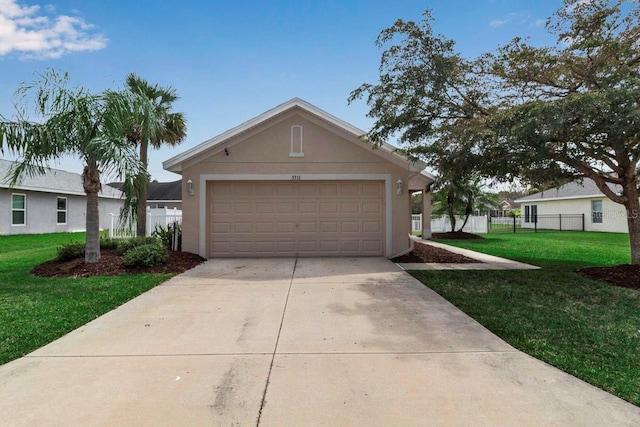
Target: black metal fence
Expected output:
[536,223]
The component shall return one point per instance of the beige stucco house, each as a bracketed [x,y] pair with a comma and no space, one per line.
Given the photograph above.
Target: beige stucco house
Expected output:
[297,181]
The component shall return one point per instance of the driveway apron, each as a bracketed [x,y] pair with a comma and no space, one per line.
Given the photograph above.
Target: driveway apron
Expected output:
[278,342]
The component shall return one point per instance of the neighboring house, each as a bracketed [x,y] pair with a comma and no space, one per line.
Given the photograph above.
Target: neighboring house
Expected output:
[161,194]
[576,198]
[297,181]
[48,203]
[165,195]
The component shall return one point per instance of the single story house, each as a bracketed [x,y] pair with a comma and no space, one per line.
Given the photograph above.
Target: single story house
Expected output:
[165,195]
[297,181]
[580,200]
[161,194]
[50,203]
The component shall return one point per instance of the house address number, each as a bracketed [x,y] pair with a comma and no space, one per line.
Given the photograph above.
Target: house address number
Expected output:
[295,177]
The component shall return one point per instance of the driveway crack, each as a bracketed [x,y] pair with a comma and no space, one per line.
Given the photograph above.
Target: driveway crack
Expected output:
[275,349]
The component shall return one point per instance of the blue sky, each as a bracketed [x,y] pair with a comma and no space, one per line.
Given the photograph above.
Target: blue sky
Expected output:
[230,61]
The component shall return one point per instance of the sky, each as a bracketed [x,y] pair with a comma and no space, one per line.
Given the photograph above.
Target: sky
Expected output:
[230,61]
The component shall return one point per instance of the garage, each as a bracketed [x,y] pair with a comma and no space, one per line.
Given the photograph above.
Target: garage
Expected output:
[298,181]
[296,218]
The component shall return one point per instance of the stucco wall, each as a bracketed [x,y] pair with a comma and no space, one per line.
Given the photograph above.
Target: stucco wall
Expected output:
[614,217]
[265,150]
[41,216]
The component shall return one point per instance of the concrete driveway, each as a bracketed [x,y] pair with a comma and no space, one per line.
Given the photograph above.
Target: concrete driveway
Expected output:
[285,342]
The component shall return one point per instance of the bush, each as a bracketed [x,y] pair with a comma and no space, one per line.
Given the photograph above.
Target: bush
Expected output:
[70,251]
[107,243]
[146,255]
[125,245]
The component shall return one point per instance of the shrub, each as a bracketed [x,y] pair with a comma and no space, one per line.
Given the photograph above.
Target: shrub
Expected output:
[108,243]
[125,245]
[146,255]
[70,251]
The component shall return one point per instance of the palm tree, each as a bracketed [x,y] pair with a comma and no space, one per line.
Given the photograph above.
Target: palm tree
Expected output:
[462,196]
[72,121]
[157,126]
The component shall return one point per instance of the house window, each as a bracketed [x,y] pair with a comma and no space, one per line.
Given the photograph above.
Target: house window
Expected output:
[18,209]
[596,211]
[531,213]
[61,211]
[296,141]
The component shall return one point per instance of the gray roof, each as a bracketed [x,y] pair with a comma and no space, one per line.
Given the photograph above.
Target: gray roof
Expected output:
[165,191]
[580,189]
[52,181]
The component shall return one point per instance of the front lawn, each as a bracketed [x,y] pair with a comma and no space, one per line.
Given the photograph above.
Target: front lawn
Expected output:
[586,328]
[35,311]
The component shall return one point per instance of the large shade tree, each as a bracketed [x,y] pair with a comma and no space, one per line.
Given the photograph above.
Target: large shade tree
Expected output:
[71,121]
[542,114]
[155,127]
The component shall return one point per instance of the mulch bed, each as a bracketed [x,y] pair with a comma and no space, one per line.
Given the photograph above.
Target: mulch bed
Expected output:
[455,235]
[428,254]
[112,264]
[624,275]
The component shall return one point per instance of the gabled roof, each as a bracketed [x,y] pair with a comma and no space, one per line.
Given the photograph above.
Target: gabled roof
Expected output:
[52,181]
[387,151]
[165,190]
[579,189]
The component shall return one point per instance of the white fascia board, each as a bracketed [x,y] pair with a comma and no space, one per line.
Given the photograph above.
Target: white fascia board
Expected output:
[174,164]
[57,191]
[553,199]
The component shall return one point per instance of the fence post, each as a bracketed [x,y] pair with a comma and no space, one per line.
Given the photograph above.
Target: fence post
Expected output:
[560,220]
[582,222]
[514,224]
[111,228]
[535,223]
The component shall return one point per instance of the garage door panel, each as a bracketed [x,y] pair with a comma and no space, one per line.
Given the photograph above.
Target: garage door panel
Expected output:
[241,227]
[371,227]
[296,218]
[265,227]
[350,207]
[350,227]
[308,207]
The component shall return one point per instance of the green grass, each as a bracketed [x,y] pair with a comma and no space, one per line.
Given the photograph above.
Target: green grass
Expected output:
[35,311]
[586,328]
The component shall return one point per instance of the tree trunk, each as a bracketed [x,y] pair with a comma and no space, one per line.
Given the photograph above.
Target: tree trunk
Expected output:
[92,250]
[450,210]
[632,204]
[91,184]
[141,209]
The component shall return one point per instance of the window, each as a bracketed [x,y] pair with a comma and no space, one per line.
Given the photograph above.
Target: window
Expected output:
[61,210]
[531,213]
[296,141]
[596,211]
[18,209]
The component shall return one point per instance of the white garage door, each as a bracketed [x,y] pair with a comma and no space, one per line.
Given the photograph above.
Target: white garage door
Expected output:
[295,218]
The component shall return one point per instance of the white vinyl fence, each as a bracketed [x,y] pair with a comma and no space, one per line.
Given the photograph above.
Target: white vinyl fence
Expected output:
[162,217]
[476,224]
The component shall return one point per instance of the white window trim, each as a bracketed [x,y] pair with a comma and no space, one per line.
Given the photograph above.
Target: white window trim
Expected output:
[293,152]
[601,213]
[17,210]
[66,209]
[389,187]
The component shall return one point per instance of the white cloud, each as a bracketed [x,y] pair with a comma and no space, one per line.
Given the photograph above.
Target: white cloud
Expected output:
[497,23]
[28,31]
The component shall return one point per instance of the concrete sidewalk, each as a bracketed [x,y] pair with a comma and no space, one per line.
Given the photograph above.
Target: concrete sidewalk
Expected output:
[485,262]
[285,342]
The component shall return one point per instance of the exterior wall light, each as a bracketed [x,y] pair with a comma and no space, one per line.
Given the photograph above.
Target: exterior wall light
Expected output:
[399,184]
[190,189]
